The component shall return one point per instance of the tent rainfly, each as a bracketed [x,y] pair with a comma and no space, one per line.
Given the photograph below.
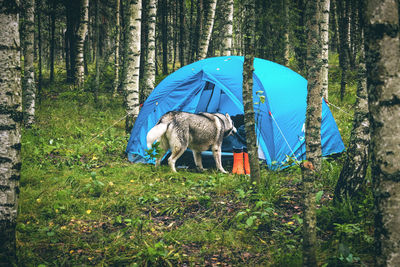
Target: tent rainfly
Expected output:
[215,85]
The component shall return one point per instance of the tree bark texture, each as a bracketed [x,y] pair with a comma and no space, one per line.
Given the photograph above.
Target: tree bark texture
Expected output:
[82,31]
[248,103]
[28,82]
[343,43]
[10,125]
[149,75]
[355,167]
[117,45]
[208,27]
[131,83]
[228,29]
[311,171]
[182,33]
[53,40]
[164,35]
[383,79]
[324,28]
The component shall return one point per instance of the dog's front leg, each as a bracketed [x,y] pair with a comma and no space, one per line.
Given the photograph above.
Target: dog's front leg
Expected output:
[197,160]
[217,158]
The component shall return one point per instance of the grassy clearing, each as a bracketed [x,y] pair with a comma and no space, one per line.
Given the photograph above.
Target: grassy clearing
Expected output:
[82,203]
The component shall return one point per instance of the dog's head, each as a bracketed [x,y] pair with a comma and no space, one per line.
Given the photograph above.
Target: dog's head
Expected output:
[229,127]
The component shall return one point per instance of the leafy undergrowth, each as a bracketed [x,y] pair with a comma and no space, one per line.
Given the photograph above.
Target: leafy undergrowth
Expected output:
[83,203]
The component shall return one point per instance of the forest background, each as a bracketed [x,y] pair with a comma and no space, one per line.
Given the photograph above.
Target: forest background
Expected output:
[87,65]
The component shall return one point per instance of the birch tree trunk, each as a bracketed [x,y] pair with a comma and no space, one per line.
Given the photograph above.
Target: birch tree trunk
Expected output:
[383,79]
[28,82]
[312,167]
[325,4]
[10,125]
[82,31]
[149,74]
[228,29]
[117,45]
[355,167]
[182,33]
[248,103]
[132,61]
[206,34]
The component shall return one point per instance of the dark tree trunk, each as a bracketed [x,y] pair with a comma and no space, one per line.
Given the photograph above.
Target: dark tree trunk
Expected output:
[39,29]
[52,41]
[164,35]
[342,10]
[182,32]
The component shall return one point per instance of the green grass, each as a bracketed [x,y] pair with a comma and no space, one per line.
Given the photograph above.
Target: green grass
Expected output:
[83,203]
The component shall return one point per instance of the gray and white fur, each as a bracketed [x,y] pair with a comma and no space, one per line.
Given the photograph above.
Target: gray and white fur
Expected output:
[178,131]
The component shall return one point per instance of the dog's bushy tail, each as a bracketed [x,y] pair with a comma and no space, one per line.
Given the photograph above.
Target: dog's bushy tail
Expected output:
[155,133]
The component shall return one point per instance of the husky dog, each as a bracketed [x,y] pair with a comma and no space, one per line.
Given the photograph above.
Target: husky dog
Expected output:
[178,130]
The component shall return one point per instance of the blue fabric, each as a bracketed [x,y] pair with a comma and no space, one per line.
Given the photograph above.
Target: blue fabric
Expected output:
[215,85]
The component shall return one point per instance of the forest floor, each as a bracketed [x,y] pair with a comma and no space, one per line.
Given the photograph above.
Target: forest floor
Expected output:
[82,203]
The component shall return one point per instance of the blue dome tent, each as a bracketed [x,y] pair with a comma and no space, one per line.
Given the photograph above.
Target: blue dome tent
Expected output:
[215,85]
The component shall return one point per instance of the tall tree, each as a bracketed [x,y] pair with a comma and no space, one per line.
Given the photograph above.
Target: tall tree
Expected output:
[97,48]
[312,168]
[82,32]
[324,28]
[39,48]
[149,74]
[228,28]
[248,103]
[117,45]
[164,34]
[52,37]
[342,8]
[354,169]
[10,125]
[206,34]
[383,79]
[132,61]
[28,82]
[182,33]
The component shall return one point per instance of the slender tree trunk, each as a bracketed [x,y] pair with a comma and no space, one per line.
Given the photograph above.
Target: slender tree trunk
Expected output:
[117,44]
[39,19]
[131,82]
[287,23]
[82,32]
[383,79]
[96,88]
[206,34]
[248,103]
[52,41]
[198,31]
[343,44]
[28,82]
[164,35]
[149,75]
[354,170]
[312,168]
[325,4]
[228,29]
[182,33]
[10,125]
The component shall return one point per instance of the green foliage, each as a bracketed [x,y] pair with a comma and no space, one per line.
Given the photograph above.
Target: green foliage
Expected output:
[82,203]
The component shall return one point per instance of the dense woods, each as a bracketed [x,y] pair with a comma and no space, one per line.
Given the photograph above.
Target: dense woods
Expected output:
[74,75]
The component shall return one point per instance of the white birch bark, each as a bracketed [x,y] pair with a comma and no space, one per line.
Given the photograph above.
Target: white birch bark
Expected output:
[207,30]
[149,75]
[131,83]
[228,29]
[10,124]
[82,31]
[324,29]
[28,82]
[117,45]
[383,79]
